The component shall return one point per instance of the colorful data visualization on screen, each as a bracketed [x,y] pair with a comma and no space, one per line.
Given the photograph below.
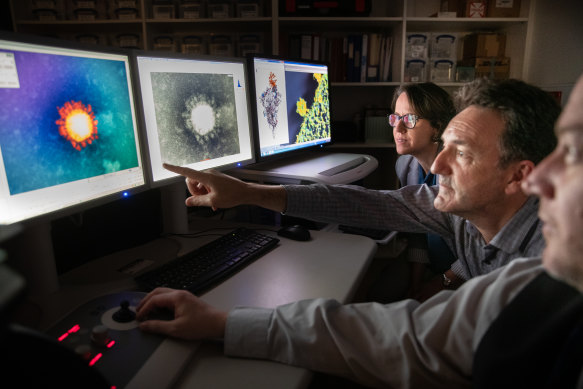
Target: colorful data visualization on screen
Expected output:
[64,118]
[292,105]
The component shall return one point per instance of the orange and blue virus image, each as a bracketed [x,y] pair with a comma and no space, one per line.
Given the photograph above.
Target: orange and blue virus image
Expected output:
[77,124]
[270,100]
[196,116]
[71,118]
[308,106]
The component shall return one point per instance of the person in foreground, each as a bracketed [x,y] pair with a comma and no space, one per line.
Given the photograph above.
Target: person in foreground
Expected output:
[518,326]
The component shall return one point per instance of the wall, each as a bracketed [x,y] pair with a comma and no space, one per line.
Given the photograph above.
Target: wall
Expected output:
[556,55]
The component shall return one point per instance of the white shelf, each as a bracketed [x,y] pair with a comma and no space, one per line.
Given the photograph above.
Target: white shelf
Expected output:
[393,17]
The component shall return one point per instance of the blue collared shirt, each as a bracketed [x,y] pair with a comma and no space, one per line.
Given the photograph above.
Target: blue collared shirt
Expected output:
[410,209]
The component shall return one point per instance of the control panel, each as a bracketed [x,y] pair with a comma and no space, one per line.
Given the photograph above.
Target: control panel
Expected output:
[104,332]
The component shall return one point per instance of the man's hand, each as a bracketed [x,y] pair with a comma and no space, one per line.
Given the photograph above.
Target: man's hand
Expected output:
[210,188]
[193,318]
[217,190]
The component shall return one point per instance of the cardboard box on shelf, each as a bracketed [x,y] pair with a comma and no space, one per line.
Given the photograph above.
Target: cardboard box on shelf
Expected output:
[476,9]
[504,8]
[465,8]
[497,68]
[484,45]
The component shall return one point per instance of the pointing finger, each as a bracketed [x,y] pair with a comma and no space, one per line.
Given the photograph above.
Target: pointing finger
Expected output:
[183,171]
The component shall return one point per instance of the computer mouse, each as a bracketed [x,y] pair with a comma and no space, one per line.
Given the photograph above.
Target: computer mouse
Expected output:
[295,232]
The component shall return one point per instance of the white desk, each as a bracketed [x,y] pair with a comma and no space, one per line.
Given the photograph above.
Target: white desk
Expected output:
[315,167]
[330,265]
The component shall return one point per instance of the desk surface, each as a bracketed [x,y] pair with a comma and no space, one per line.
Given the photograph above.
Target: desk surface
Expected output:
[330,265]
[320,167]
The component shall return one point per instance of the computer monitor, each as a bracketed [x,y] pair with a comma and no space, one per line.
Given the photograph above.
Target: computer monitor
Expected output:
[69,141]
[291,105]
[68,129]
[195,112]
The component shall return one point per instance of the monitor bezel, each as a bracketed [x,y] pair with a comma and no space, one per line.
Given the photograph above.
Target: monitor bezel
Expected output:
[135,53]
[72,209]
[293,152]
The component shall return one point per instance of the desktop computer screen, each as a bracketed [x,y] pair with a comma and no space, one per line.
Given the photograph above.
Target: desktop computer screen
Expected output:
[68,130]
[292,105]
[195,112]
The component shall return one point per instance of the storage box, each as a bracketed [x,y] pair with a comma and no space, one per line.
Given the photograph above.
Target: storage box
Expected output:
[417,45]
[163,11]
[45,15]
[248,44]
[484,45]
[415,70]
[442,70]
[84,3]
[85,14]
[126,13]
[492,68]
[443,45]
[193,45]
[191,10]
[130,41]
[465,8]
[504,8]
[44,4]
[247,10]
[164,43]
[219,11]
[221,45]
[125,4]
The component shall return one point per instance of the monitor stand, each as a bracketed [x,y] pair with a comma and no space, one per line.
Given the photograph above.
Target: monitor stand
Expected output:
[174,212]
[316,167]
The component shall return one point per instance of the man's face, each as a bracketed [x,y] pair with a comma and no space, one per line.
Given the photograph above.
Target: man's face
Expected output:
[471,182]
[558,181]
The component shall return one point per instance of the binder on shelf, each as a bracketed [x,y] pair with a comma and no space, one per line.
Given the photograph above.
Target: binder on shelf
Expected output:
[306,47]
[387,57]
[374,56]
[316,47]
[350,58]
[357,55]
[363,58]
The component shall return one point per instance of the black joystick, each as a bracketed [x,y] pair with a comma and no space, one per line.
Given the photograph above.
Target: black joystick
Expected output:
[124,314]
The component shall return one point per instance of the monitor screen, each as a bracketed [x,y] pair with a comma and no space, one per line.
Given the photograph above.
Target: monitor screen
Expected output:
[292,105]
[68,130]
[195,112]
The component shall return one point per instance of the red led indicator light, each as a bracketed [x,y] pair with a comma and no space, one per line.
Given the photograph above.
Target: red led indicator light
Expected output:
[95,359]
[72,330]
[110,344]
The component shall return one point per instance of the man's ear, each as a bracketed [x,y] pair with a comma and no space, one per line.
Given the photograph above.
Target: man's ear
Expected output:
[519,171]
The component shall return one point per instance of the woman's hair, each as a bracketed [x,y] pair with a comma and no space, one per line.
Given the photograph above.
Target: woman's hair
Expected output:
[528,112]
[430,102]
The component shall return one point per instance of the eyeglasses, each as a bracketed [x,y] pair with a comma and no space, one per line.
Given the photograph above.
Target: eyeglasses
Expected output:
[409,120]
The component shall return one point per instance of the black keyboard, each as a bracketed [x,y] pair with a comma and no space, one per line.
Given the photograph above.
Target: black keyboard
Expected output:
[206,266]
[368,232]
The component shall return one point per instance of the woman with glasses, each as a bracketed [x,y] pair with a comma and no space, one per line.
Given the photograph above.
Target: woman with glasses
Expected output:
[420,114]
